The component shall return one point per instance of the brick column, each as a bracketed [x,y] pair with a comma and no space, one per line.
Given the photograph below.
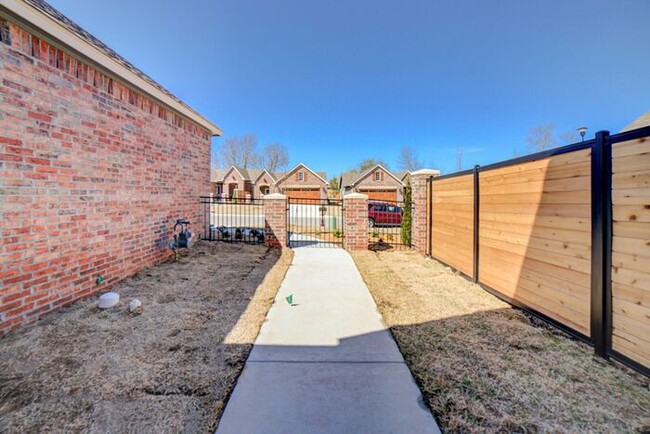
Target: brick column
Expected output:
[420,213]
[355,221]
[275,220]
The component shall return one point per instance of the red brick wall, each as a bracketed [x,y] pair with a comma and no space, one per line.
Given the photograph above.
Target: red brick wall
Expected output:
[420,212]
[92,175]
[355,219]
[275,217]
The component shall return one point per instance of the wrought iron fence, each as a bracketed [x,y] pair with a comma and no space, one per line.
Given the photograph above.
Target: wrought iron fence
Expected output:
[389,225]
[234,220]
[314,222]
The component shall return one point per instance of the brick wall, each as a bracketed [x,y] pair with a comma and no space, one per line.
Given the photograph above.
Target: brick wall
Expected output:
[92,174]
[275,217]
[419,200]
[355,220]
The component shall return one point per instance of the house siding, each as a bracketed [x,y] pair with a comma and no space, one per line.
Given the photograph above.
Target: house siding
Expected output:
[310,180]
[264,180]
[386,182]
[92,175]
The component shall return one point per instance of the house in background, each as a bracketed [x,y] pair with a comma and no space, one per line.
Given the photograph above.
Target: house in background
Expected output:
[405,177]
[378,183]
[301,182]
[232,182]
[264,183]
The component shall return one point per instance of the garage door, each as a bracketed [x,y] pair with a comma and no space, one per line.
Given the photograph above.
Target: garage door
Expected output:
[387,194]
[295,194]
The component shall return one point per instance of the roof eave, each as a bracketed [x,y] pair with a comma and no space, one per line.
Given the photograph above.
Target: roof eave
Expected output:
[57,32]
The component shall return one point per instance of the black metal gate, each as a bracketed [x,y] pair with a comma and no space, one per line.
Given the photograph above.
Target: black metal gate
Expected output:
[389,225]
[234,220]
[314,222]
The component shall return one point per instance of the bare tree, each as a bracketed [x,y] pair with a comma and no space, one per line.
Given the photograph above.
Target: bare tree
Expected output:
[408,159]
[569,137]
[541,137]
[275,157]
[369,163]
[459,158]
[239,151]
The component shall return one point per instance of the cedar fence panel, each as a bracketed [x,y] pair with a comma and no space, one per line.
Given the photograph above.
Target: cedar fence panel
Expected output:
[631,249]
[452,220]
[519,254]
[563,234]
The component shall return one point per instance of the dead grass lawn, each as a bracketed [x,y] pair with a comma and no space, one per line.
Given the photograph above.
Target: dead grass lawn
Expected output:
[169,369]
[484,366]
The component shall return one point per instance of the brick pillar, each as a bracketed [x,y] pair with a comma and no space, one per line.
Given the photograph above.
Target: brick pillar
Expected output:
[275,220]
[420,213]
[355,221]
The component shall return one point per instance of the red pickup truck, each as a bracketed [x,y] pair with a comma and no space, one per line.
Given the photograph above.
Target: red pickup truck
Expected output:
[384,214]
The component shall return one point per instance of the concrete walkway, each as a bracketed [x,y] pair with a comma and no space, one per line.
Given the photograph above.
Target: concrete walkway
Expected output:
[325,364]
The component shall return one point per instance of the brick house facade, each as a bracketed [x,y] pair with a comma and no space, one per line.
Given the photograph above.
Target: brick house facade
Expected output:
[90,150]
[299,182]
[377,183]
[303,183]
[264,184]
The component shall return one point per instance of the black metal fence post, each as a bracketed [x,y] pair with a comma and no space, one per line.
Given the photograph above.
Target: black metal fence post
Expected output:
[601,244]
[476,222]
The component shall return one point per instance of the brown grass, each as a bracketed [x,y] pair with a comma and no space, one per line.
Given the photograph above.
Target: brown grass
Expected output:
[484,366]
[169,369]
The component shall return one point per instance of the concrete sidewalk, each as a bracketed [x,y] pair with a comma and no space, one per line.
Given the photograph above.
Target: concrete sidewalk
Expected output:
[325,364]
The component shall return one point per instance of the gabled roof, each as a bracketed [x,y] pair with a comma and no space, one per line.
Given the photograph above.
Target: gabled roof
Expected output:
[350,179]
[321,175]
[640,122]
[259,174]
[242,172]
[218,175]
[401,175]
[45,18]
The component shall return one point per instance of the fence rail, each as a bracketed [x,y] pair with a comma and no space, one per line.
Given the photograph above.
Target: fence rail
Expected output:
[234,220]
[564,234]
[385,222]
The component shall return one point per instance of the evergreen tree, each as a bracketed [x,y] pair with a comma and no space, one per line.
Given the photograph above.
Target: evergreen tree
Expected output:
[405,233]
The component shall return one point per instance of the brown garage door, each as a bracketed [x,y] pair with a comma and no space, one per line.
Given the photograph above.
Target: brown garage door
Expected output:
[387,194]
[295,194]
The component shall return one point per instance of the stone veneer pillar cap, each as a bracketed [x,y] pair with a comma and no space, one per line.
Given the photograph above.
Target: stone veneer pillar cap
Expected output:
[355,196]
[275,196]
[433,172]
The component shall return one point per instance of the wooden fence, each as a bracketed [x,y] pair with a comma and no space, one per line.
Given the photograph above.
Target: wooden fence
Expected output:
[564,234]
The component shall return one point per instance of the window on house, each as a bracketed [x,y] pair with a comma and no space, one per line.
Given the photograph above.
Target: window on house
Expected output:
[378,176]
[301,176]
[265,190]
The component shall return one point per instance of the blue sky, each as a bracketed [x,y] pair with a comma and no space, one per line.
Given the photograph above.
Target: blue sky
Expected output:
[339,81]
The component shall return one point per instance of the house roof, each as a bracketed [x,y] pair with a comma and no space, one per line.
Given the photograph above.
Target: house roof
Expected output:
[321,175]
[401,175]
[640,122]
[42,16]
[350,178]
[252,175]
[261,172]
[217,175]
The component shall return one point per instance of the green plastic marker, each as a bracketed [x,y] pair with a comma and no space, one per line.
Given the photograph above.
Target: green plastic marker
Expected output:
[289,299]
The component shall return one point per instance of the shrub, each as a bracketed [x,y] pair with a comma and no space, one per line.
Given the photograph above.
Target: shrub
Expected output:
[405,230]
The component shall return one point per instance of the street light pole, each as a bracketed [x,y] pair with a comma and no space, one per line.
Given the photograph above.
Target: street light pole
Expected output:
[582,131]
